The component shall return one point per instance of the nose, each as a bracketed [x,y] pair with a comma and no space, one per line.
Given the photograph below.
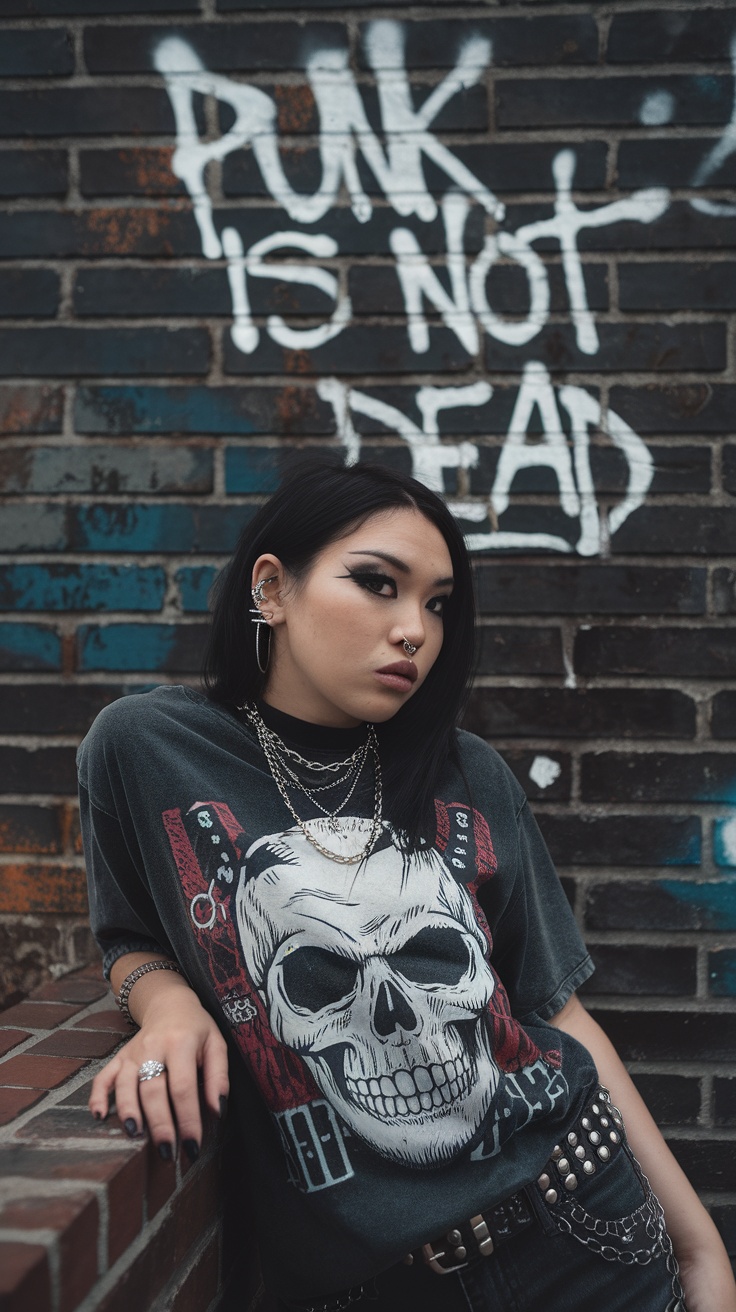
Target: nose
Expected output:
[411,633]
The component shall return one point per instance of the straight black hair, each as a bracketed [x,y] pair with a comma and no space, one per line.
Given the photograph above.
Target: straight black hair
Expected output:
[317,503]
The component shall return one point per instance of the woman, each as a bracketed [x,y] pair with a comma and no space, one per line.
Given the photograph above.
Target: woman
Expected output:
[310,875]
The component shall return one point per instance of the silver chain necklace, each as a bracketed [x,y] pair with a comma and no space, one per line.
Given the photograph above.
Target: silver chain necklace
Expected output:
[276,753]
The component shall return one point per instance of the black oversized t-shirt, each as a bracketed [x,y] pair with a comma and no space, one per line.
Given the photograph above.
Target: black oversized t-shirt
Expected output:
[392,1070]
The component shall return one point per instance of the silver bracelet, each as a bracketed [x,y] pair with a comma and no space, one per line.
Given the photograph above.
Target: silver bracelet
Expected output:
[133,977]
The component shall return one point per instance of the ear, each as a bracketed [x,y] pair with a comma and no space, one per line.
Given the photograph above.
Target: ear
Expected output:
[269,571]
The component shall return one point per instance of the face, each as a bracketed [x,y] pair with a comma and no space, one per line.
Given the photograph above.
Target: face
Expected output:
[337,633]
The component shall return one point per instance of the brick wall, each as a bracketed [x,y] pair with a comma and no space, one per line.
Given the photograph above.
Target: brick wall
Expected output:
[90,1219]
[518,285]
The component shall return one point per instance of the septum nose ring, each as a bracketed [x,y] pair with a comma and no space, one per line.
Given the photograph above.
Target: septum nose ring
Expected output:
[409,647]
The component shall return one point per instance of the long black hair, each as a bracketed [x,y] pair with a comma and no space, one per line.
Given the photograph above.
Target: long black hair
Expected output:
[317,503]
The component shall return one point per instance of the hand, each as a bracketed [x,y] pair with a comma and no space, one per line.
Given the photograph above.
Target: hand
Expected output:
[185,1038]
[708,1283]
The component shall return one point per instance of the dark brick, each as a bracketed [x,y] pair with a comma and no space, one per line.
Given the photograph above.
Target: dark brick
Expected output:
[622,840]
[707,1163]
[666,1035]
[375,289]
[71,988]
[38,707]
[572,39]
[724,591]
[724,1100]
[82,587]
[167,648]
[609,101]
[33,1072]
[25,647]
[670,904]
[528,767]
[225,47]
[201,1283]
[702,530]
[657,777]
[510,589]
[11,1038]
[466,111]
[30,829]
[684,286]
[729,469]
[186,291]
[47,890]
[68,352]
[250,468]
[46,770]
[75,1219]
[234,410]
[511,649]
[129,171]
[26,293]
[723,715]
[105,469]
[623,346]
[722,972]
[35,8]
[30,408]
[34,173]
[57,234]
[86,111]
[706,653]
[643,969]
[358,349]
[676,469]
[663,36]
[15,1101]
[575,713]
[103,1020]
[684,408]
[672,1099]
[669,162]
[158,528]
[47,52]
[194,583]
[39,1015]
[76,1043]
[680,227]
[25,1279]
[523,166]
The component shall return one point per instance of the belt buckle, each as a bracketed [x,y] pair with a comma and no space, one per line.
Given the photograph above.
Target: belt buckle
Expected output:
[432,1258]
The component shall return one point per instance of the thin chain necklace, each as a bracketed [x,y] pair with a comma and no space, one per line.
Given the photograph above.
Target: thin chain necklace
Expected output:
[275,751]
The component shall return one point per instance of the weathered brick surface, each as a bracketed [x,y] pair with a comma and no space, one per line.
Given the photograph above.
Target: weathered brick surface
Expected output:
[585,438]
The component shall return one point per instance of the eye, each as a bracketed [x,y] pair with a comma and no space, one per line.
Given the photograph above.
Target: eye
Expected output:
[381,585]
[433,956]
[314,978]
[437,604]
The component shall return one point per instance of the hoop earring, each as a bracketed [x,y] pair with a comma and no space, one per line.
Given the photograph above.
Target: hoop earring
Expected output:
[259,619]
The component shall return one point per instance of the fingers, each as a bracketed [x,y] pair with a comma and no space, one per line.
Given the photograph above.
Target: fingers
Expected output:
[215,1073]
[102,1086]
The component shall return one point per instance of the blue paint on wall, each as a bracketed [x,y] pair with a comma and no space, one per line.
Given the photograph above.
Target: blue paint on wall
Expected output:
[81,587]
[722,973]
[29,647]
[724,841]
[251,469]
[125,646]
[194,582]
[166,410]
[715,902]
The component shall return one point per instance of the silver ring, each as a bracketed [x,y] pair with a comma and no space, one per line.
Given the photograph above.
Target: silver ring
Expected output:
[409,647]
[150,1070]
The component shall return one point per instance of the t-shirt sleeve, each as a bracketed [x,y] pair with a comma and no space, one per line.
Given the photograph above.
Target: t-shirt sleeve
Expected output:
[538,951]
[123,915]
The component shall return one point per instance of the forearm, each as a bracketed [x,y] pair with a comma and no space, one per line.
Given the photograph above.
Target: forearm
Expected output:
[691,1229]
[156,989]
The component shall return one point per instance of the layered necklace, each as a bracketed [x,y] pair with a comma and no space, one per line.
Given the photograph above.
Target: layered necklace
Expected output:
[289,768]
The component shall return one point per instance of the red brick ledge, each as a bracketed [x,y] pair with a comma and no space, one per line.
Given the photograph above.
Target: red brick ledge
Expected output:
[90,1219]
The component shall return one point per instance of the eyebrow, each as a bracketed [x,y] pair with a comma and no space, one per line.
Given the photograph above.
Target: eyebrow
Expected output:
[400,565]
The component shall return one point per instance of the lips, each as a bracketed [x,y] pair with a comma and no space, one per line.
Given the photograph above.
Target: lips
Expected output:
[400,676]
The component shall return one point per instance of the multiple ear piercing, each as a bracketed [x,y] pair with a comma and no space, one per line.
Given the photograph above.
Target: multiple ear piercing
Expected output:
[261,617]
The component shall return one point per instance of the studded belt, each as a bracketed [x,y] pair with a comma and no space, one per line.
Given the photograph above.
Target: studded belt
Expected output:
[592,1141]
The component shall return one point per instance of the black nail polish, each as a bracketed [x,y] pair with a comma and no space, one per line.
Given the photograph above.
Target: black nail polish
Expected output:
[130,1127]
[164,1152]
[191,1148]
[223,1106]
[97,1116]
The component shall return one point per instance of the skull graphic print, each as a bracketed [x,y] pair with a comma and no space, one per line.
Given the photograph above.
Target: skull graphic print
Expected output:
[377,976]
